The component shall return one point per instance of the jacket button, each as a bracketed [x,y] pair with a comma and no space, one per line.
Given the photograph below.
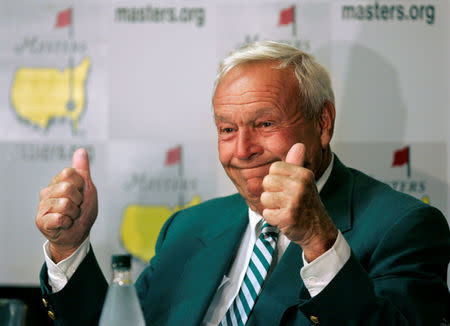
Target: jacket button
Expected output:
[44,302]
[314,320]
[51,315]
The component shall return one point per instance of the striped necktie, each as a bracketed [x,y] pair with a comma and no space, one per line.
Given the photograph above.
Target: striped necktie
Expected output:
[258,267]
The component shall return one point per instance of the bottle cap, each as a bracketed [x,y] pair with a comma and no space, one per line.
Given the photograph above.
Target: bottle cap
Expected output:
[121,261]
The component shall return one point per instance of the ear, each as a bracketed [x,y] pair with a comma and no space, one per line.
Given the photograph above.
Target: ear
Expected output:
[326,123]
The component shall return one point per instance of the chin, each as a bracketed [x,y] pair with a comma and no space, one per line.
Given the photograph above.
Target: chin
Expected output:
[254,204]
[252,197]
[254,193]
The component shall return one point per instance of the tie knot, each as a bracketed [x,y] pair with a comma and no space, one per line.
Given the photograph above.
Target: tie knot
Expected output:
[269,230]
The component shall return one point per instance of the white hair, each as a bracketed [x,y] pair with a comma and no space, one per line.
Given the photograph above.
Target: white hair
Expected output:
[313,79]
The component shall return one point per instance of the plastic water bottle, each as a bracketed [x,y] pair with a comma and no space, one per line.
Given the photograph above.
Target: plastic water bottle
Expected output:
[121,305]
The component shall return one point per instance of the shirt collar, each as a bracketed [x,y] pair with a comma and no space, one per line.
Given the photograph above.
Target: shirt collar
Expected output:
[255,218]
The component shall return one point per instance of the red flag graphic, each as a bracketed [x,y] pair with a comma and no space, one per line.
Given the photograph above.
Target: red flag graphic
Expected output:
[287,16]
[173,155]
[401,157]
[64,18]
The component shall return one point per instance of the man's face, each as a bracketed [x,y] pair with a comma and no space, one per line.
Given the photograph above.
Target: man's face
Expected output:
[256,110]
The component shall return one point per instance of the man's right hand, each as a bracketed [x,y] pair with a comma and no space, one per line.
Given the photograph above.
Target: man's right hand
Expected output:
[68,207]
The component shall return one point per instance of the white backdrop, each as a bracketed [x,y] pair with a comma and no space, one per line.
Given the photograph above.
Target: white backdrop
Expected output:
[132,81]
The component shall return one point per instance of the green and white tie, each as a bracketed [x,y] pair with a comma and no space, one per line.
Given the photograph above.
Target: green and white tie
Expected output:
[258,267]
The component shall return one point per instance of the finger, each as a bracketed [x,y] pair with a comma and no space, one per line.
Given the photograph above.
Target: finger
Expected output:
[80,162]
[273,200]
[271,215]
[296,155]
[62,206]
[62,190]
[282,168]
[69,175]
[293,172]
[275,182]
[56,221]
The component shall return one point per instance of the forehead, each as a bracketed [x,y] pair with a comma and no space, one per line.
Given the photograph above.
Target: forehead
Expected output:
[257,82]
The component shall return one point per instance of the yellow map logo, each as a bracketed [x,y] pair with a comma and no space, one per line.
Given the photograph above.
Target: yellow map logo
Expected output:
[39,95]
[141,225]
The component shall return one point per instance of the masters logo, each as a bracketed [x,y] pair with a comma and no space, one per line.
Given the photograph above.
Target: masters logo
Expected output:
[41,95]
[413,187]
[141,223]
[287,19]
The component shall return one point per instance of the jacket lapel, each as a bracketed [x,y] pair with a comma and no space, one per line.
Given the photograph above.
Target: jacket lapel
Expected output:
[337,194]
[202,274]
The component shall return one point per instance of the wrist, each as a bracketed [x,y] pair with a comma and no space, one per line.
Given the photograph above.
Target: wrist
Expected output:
[319,244]
[58,254]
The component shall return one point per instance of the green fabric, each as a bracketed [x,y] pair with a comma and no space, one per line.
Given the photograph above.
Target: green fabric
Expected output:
[396,274]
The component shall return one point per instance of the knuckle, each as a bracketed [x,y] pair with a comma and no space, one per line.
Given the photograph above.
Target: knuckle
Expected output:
[54,223]
[43,192]
[64,203]
[42,204]
[53,180]
[296,186]
[275,166]
[266,180]
[296,182]
[299,190]
[59,219]
[47,223]
[38,222]
[308,175]
[67,173]
[65,187]
[63,221]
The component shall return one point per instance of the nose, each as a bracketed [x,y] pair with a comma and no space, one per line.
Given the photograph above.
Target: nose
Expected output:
[247,144]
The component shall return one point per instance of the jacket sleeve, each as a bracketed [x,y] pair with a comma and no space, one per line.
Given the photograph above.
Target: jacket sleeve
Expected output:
[402,283]
[81,300]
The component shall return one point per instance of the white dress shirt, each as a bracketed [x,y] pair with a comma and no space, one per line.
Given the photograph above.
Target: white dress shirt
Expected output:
[315,275]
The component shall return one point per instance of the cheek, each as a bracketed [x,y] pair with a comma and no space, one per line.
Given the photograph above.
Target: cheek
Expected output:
[280,144]
[225,152]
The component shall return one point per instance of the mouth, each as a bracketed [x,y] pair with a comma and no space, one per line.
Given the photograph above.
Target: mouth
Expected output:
[251,166]
[250,171]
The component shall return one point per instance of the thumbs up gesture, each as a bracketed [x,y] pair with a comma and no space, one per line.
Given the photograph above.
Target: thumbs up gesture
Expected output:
[68,207]
[292,203]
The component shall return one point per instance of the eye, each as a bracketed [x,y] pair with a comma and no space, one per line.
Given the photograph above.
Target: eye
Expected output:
[227,130]
[266,124]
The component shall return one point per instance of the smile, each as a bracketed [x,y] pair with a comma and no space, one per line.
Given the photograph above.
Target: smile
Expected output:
[254,171]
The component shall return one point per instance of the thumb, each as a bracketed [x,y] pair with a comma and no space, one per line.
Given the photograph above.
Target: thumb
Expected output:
[80,162]
[296,154]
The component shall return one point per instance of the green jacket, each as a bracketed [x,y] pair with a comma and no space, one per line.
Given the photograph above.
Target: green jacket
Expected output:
[396,274]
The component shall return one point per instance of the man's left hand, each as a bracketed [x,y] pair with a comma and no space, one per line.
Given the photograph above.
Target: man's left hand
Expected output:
[292,204]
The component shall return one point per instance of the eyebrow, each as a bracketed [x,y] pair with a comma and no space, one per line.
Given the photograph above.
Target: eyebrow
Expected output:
[220,118]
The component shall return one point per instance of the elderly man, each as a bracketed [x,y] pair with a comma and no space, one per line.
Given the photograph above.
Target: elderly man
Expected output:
[306,241]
